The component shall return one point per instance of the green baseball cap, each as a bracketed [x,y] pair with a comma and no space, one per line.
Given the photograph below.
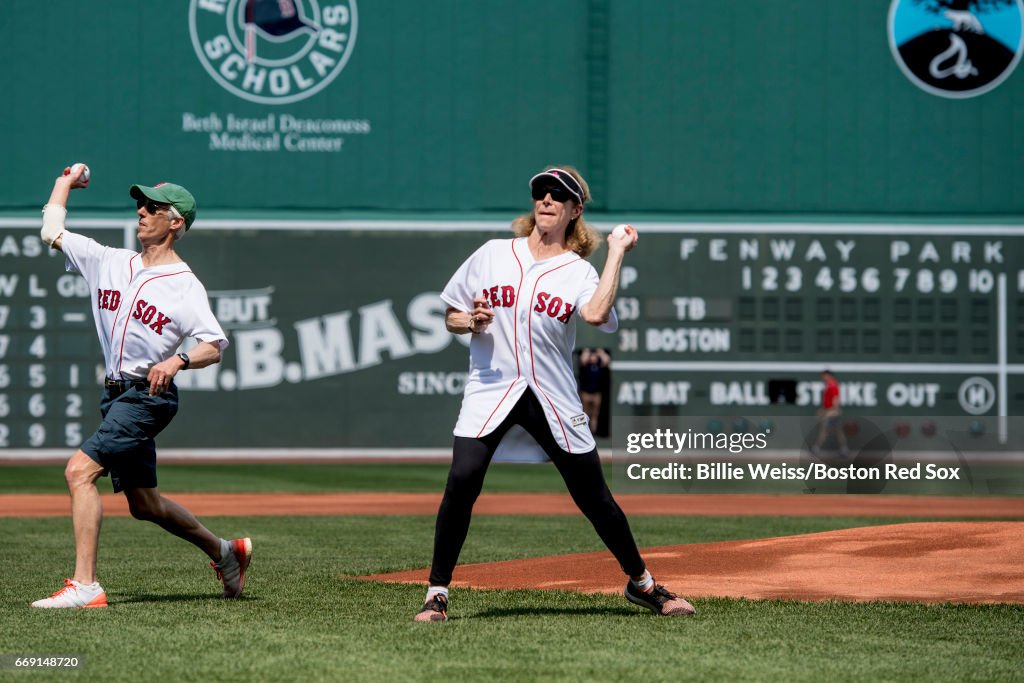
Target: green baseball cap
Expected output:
[169,193]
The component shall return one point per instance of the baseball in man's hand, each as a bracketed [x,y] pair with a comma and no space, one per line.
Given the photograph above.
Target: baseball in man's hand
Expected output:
[84,178]
[620,230]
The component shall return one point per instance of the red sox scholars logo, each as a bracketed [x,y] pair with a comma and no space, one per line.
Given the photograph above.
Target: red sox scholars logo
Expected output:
[273,51]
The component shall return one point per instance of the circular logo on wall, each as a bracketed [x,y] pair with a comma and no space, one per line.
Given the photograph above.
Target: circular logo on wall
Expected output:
[273,51]
[956,48]
[976,395]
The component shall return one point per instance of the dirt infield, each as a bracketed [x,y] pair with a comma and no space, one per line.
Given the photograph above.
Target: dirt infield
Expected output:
[970,562]
[254,504]
[958,562]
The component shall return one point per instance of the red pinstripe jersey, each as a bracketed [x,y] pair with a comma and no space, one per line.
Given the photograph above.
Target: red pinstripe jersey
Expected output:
[141,314]
[530,342]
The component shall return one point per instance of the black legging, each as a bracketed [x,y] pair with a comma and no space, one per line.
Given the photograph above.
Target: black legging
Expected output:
[582,474]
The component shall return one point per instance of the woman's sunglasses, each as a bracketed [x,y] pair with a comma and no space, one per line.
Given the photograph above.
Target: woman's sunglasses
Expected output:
[557,192]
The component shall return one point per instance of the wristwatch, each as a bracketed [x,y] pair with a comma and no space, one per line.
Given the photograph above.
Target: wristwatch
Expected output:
[184,358]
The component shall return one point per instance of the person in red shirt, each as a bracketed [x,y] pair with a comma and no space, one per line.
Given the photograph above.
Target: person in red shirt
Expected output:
[828,416]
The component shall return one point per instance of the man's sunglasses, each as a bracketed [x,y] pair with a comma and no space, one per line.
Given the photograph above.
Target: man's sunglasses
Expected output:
[557,192]
[152,207]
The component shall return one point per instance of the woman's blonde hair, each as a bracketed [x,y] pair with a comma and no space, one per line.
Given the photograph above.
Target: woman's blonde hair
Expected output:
[579,236]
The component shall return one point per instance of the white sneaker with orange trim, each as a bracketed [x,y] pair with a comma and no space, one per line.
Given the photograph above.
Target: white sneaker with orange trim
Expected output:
[231,568]
[75,594]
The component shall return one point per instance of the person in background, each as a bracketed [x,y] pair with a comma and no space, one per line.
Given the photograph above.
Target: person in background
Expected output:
[594,363]
[829,415]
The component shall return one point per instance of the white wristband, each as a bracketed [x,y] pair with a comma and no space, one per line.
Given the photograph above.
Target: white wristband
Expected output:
[53,222]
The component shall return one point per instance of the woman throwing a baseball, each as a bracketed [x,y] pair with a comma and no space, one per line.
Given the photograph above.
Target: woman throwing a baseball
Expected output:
[519,299]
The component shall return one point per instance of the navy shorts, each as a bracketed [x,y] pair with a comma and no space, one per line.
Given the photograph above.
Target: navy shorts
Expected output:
[124,443]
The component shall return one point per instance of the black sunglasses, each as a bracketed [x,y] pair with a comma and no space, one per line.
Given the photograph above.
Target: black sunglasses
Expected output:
[557,192]
[152,207]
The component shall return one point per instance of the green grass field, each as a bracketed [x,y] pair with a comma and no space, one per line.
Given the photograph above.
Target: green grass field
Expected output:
[303,618]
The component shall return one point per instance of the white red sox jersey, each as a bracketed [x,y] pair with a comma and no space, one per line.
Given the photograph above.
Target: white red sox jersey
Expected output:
[529,343]
[142,314]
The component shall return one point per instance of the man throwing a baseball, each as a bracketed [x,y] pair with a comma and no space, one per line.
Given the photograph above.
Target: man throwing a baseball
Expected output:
[144,305]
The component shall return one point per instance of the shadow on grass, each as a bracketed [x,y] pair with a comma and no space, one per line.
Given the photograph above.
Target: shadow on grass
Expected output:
[553,611]
[146,598]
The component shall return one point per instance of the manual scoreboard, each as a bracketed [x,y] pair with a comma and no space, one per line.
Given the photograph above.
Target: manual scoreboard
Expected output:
[916,319]
[715,320]
[50,359]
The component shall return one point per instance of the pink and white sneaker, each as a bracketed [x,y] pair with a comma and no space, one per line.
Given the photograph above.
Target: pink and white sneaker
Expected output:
[659,600]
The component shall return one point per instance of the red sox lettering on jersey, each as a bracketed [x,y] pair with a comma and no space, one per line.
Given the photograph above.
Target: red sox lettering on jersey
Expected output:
[530,341]
[141,314]
[109,299]
[546,302]
[554,307]
[146,312]
[507,296]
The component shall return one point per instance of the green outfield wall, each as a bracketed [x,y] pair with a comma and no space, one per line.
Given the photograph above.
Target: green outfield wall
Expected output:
[338,340]
[817,184]
[667,105]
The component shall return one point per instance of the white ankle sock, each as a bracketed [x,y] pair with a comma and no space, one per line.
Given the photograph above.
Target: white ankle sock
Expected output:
[646,583]
[436,590]
[225,548]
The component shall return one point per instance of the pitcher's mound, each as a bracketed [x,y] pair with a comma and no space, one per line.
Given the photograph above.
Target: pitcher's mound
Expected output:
[960,562]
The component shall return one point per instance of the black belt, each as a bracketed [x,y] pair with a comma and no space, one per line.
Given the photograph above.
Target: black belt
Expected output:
[123,385]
